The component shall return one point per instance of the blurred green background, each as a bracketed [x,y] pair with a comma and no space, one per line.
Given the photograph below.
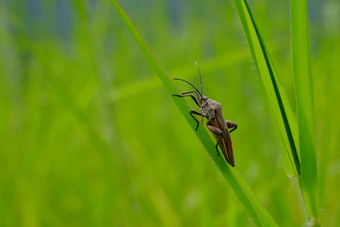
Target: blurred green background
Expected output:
[90,137]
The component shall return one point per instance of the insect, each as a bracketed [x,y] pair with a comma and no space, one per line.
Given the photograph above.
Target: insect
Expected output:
[212,111]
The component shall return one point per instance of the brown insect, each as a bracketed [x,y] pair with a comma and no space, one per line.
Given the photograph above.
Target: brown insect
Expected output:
[212,111]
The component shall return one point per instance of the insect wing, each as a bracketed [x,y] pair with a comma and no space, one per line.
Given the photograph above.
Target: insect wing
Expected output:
[226,143]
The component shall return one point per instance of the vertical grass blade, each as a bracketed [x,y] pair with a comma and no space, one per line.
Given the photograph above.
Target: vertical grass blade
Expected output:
[305,106]
[259,214]
[278,104]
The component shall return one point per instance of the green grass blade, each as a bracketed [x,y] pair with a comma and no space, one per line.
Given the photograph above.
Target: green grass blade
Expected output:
[277,100]
[305,105]
[239,186]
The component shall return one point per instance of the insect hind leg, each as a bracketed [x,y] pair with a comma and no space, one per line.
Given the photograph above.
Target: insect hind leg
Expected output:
[216,146]
[231,125]
[217,132]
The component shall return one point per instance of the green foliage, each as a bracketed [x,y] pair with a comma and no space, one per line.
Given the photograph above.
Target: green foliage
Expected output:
[281,111]
[90,137]
[305,106]
[239,186]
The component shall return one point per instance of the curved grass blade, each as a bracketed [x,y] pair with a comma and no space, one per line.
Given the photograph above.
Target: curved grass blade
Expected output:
[278,103]
[305,106]
[239,186]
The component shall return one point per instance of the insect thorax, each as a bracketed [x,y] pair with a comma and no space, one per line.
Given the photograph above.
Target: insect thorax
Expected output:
[209,106]
[207,110]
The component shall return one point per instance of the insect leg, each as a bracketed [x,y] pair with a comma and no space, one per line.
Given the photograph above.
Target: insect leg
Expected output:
[188,92]
[186,95]
[198,95]
[218,132]
[214,130]
[216,146]
[197,113]
[232,125]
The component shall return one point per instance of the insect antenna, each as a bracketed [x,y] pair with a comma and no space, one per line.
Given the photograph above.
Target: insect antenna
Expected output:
[199,72]
[189,84]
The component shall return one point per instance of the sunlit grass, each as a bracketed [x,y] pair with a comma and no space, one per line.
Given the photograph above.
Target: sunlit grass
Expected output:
[305,107]
[280,108]
[89,135]
[302,143]
[240,187]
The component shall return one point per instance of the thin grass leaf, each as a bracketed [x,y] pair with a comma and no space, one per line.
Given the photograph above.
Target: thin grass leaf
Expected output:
[277,100]
[305,106]
[239,186]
